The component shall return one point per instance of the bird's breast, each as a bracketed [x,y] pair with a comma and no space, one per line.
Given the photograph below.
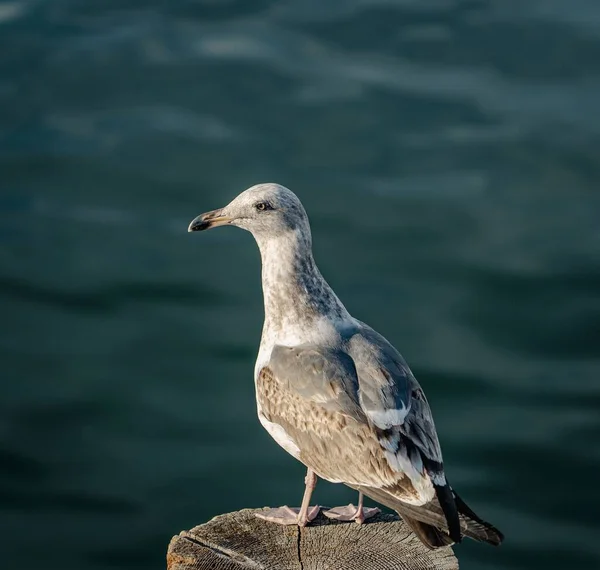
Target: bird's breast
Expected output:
[279,435]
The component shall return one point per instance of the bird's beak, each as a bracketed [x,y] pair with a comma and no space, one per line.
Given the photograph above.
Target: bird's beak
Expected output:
[208,220]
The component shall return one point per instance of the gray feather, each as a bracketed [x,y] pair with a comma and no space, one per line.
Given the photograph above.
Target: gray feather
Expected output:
[366,379]
[322,375]
[386,383]
[384,377]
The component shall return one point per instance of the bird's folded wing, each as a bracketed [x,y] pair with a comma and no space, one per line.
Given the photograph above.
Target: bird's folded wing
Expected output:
[393,400]
[323,376]
[368,380]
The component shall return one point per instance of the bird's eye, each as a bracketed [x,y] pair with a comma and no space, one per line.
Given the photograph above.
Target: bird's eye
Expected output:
[262,206]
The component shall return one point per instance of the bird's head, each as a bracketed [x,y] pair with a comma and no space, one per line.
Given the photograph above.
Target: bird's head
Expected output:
[265,210]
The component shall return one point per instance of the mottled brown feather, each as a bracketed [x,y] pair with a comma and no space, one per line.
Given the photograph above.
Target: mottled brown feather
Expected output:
[336,446]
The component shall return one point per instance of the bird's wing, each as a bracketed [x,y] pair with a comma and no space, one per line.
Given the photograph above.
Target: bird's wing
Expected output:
[398,409]
[322,376]
[308,399]
[368,381]
[394,401]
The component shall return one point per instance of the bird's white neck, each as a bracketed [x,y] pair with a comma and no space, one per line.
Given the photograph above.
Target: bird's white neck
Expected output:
[297,298]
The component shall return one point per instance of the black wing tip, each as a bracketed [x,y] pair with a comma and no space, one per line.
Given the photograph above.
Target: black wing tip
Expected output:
[445,497]
[431,536]
[496,538]
[491,534]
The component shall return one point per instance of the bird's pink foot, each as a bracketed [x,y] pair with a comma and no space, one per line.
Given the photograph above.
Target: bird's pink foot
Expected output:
[289,516]
[351,513]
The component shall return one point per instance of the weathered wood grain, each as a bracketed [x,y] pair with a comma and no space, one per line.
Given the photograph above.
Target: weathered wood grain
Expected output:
[240,541]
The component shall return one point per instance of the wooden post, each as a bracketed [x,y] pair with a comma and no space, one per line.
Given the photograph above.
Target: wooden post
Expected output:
[241,541]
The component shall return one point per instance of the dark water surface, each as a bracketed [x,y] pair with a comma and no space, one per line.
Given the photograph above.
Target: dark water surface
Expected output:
[448,153]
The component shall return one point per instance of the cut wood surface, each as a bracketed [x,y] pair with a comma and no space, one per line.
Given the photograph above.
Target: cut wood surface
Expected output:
[241,541]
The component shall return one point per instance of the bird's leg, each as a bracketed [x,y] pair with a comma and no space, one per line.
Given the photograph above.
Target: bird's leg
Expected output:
[357,514]
[288,515]
[308,513]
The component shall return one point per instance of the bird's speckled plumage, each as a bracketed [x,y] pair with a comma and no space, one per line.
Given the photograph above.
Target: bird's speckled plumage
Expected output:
[333,392]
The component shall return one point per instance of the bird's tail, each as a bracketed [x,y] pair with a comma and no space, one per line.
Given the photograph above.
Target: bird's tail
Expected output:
[429,522]
[429,535]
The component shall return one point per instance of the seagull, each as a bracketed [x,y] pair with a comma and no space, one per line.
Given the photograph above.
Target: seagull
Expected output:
[334,393]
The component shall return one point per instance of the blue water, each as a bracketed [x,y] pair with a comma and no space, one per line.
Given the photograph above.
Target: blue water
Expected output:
[447,152]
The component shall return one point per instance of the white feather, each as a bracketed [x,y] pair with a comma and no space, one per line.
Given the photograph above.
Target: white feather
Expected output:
[388,418]
[420,481]
[280,436]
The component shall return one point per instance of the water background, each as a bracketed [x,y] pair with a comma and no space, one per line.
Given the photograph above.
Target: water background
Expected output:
[448,154]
